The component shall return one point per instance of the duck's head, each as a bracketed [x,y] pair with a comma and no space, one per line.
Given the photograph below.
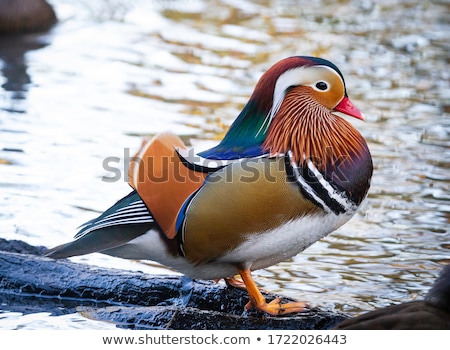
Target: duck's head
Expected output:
[292,108]
[312,78]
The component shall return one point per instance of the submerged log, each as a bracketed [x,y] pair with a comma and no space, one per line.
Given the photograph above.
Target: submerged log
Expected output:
[32,283]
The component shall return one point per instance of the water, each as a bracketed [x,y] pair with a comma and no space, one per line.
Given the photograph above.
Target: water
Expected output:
[112,72]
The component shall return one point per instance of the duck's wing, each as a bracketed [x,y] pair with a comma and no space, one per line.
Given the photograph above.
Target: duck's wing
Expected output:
[124,221]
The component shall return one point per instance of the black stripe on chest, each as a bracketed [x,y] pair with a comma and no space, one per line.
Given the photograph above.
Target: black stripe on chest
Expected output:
[317,189]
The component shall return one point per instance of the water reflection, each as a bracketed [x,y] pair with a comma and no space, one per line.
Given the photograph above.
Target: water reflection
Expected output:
[14,68]
[16,20]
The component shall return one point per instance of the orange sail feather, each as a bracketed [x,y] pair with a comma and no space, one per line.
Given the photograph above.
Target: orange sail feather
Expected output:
[162,180]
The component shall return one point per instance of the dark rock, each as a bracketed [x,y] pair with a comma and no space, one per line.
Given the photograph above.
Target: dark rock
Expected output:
[32,283]
[21,247]
[25,16]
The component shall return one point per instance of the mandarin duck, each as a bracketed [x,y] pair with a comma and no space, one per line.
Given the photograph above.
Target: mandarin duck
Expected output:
[288,172]
[433,312]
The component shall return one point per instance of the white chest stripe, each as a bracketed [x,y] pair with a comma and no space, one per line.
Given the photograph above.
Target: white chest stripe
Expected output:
[305,185]
[332,193]
[339,197]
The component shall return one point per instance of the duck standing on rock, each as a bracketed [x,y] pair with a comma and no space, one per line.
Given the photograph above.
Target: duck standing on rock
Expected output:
[288,172]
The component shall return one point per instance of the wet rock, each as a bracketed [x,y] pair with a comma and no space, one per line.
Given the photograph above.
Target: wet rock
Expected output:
[31,283]
[21,247]
[176,317]
[25,16]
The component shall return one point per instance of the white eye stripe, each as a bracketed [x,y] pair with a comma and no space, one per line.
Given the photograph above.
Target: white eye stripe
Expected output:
[303,75]
[292,77]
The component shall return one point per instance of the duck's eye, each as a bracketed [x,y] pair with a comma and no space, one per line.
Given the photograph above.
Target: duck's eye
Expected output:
[321,85]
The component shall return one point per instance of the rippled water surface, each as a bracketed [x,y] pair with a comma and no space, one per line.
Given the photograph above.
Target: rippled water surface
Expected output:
[113,71]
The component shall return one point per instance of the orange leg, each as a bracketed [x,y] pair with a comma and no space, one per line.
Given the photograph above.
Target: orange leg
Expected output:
[274,308]
[235,282]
